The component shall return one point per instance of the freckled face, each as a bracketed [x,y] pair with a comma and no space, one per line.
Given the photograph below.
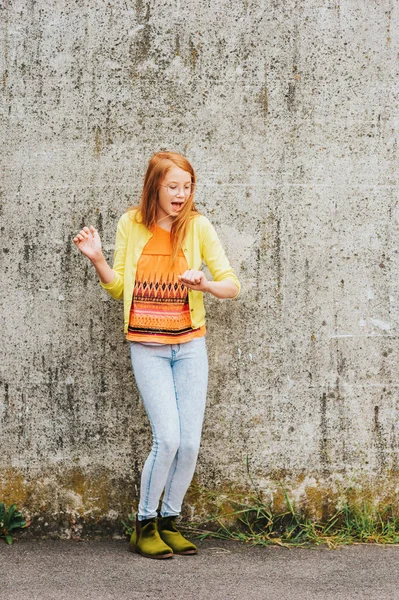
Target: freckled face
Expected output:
[169,204]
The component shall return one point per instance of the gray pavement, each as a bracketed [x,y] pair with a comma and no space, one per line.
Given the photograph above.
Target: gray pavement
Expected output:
[105,570]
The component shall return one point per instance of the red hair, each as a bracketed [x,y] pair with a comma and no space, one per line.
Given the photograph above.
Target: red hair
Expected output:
[158,167]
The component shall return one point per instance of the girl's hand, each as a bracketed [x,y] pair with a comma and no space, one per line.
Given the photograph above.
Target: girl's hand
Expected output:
[89,243]
[194,280]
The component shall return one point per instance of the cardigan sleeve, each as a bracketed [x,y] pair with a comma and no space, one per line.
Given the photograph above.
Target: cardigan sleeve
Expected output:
[215,257]
[115,288]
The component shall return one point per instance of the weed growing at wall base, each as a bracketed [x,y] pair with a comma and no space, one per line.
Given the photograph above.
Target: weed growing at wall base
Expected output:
[129,525]
[10,520]
[255,522]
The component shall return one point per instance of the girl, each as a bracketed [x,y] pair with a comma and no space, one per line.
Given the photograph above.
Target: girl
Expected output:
[159,250]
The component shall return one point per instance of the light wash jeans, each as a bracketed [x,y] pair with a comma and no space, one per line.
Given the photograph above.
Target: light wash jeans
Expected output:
[172,380]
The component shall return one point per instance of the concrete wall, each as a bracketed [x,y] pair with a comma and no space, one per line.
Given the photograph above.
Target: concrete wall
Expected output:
[289,112]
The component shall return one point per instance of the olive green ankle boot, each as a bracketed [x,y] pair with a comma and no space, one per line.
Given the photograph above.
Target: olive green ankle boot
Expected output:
[146,540]
[173,538]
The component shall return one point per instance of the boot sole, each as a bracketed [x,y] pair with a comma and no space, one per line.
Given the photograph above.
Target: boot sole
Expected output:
[159,557]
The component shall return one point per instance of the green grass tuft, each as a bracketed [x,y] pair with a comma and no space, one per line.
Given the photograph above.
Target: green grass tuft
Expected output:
[255,522]
[10,520]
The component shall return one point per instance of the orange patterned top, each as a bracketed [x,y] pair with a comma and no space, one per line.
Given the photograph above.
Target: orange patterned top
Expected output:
[160,310]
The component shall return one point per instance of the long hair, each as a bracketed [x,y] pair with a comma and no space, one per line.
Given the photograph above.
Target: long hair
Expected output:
[158,167]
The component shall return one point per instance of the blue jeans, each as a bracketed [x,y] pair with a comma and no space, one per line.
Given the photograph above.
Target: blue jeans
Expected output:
[172,380]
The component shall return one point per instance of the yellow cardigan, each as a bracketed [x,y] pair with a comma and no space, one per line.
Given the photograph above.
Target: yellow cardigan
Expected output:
[201,245]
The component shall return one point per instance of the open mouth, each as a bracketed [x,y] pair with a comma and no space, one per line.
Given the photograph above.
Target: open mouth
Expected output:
[177,205]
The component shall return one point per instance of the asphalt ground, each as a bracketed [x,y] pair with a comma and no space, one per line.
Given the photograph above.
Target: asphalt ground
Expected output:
[105,570]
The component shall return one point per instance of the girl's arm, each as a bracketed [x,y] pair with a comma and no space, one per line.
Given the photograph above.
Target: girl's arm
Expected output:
[225,283]
[89,243]
[196,280]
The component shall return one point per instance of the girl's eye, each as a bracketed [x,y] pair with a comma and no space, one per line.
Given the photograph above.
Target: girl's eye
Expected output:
[173,187]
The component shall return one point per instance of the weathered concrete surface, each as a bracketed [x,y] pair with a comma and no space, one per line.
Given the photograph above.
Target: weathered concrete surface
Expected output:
[104,570]
[289,112]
